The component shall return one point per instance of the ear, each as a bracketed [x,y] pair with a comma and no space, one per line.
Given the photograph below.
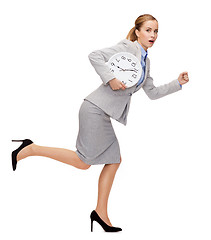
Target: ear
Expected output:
[137,32]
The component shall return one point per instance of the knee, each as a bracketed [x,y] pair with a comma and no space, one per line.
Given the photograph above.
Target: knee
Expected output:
[119,161]
[118,164]
[85,166]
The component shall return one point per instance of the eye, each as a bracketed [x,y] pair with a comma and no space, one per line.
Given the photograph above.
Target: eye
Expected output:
[156,31]
[148,30]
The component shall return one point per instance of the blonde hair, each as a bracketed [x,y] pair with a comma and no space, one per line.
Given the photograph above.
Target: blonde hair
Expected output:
[138,23]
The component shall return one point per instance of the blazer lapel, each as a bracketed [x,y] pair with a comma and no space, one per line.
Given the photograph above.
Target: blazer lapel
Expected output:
[145,76]
[146,70]
[138,55]
[138,52]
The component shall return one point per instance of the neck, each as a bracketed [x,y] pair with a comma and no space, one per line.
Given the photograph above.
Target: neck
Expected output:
[145,48]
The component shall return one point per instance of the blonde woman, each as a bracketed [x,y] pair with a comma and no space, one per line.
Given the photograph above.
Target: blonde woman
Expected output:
[96,142]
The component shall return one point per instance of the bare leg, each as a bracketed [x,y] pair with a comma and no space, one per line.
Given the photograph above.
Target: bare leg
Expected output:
[70,157]
[60,154]
[104,187]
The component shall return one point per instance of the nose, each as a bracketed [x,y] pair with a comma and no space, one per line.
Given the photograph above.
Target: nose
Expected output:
[153,35]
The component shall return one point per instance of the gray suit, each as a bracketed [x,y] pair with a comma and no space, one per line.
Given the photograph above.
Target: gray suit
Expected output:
[116,103]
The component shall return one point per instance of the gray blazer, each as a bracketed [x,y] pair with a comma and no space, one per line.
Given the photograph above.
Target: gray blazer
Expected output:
[116,103]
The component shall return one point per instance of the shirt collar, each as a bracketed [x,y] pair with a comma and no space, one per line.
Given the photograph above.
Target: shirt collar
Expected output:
[143,52]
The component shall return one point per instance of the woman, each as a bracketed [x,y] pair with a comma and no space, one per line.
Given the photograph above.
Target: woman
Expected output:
[96,141]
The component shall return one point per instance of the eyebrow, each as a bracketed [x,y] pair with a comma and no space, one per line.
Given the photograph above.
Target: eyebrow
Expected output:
[151,28]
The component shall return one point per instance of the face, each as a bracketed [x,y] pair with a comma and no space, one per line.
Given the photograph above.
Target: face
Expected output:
[148,34]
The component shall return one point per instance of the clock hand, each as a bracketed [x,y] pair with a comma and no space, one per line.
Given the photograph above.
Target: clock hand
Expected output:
[129,70]
[121,68]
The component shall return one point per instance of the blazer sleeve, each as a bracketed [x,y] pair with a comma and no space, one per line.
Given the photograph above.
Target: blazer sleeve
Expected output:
[99,58]
[157,92]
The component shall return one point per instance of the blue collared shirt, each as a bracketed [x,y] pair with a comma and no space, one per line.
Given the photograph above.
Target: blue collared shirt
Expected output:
[143,64]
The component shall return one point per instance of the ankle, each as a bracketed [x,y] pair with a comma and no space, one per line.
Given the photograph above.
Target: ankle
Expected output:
[32,149]
[101,212]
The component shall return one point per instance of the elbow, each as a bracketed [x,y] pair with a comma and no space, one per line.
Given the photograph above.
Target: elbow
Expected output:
[90,56]
[152,95]
[95,57]
[152,98]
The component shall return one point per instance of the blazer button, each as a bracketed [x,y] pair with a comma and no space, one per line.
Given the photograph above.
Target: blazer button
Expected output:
[130,94]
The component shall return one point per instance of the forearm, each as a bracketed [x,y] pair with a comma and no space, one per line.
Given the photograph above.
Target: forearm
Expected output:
[161,91]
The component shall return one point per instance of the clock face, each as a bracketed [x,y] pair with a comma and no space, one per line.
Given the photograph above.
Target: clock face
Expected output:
[126,68]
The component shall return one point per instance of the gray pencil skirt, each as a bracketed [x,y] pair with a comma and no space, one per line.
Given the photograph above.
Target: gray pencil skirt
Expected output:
[96,142]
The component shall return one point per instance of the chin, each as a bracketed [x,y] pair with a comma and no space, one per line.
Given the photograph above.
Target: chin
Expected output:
[150,46]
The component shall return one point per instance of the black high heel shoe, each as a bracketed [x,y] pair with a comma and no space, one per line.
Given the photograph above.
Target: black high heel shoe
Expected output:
[95,217]
[25,143]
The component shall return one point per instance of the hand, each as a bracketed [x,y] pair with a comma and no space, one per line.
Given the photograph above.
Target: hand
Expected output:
[183,78]
[117,84]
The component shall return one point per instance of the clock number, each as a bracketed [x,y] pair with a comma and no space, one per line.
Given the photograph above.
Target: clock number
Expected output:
[135,70]
[124,82]
[133,64]
[112,64]
[129,60]
[130,80]
[112,70]
[117,60]
[134,75]
[123,57]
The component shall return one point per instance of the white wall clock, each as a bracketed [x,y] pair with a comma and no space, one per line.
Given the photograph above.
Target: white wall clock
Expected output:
[126,68]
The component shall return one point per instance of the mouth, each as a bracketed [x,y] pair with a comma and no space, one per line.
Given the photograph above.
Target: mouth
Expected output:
[151,41]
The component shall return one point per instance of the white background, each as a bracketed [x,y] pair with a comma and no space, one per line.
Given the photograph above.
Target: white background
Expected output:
[162,188]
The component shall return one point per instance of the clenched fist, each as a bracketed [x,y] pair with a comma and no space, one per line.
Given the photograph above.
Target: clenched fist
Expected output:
[183,78]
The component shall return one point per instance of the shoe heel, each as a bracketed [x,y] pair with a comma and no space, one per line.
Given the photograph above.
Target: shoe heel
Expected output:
[91,225]
[95,217]
[25,143]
